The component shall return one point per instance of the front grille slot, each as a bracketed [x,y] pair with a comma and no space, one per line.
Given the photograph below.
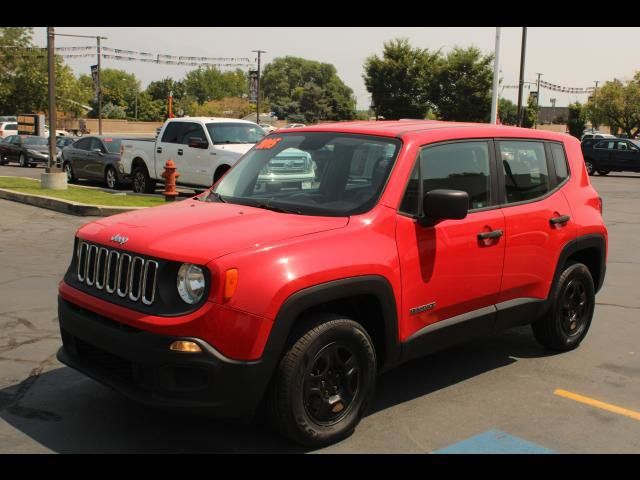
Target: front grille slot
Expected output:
[131,277]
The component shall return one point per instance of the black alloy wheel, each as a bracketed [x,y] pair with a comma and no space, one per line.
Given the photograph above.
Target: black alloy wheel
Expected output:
[331,383]
[568,319]
[69,171]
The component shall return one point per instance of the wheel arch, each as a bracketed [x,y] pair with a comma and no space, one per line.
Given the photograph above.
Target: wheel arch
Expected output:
[590,250]
[369,300]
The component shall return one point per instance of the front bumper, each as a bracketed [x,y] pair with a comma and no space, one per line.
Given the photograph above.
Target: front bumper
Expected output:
[140,365]
[38,159]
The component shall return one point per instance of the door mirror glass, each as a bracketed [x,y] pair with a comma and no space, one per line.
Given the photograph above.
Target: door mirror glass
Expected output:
[444,204]
[97,150]
[195,142]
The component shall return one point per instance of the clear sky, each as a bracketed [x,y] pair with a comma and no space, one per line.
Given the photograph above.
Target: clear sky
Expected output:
[570,57]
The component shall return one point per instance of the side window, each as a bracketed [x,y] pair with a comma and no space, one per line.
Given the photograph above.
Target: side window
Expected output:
[172,132]
[409,202]
[191,130]
[623,146]
[525,170]
[82,144]
[560,161]
[458,166]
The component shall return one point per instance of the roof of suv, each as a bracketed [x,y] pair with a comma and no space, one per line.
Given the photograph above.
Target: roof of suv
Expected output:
[400,128]
[213,120]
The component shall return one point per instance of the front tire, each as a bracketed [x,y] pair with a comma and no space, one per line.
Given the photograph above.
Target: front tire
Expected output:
[324,382]
[23,161]
[71,178]
[568,320]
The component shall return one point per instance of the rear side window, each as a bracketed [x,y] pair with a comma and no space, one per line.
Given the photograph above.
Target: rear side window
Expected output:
[458,166]
[82,144]
[11,126]
[172,132]
[560,161]
[525,170]
[607,144]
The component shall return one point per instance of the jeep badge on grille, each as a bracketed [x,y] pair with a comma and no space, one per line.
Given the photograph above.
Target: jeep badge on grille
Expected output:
[119,239]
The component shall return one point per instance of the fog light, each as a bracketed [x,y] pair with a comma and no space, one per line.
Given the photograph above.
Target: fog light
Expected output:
[184,346]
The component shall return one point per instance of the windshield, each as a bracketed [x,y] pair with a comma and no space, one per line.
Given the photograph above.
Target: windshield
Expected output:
[112,144]
[35,140]
[222,133]
[311,173]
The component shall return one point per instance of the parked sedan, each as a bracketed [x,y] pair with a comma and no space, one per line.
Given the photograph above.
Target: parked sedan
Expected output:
[26,150]
[611,154]
[61,143]
[95,158]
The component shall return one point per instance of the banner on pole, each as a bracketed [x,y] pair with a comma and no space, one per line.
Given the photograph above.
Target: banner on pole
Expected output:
[253,86]
[94,75]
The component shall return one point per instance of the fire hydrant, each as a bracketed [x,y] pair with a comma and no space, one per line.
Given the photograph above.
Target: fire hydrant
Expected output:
[170,176]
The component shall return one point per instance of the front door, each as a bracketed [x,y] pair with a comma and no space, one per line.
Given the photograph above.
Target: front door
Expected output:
[451,272]
[175,146]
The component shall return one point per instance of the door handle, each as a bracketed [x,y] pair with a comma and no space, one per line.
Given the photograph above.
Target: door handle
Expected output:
[179,151]
[159,149]
[490,235]
[559,220]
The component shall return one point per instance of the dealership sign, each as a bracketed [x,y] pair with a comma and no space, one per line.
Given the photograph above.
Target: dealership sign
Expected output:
[31,124]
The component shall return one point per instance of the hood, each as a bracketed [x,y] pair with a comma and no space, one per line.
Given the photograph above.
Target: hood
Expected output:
[38,148]
[239,148]
[198,232]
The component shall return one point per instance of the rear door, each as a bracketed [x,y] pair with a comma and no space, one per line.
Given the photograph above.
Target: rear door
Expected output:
[78,156]
[602,151]
[626,157]
[95,160]
[537,217]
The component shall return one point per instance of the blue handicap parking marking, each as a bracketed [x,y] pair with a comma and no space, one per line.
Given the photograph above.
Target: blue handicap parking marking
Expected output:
[494,441]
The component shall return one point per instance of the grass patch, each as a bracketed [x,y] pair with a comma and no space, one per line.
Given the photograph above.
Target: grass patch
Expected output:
[87,196]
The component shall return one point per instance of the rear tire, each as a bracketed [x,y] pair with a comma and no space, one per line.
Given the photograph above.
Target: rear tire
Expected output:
[111,178]
[568,320]
[603,172]
[590,167]
[324,382]
[141,181]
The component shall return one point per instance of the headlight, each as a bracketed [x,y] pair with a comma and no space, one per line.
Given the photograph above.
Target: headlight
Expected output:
[191,282]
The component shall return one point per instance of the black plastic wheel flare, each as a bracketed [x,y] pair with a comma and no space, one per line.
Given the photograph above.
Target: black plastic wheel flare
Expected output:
[574,307]
[331,383]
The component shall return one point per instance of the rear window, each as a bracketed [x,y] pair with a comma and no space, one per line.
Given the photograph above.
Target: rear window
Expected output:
[112,144]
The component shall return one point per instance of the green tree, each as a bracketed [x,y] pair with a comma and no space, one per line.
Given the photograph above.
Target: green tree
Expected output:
[463,84]
[150,110]
[295,86]
[159,90]
[401,81]
[507,112]
[577,119]
[120,89]
[206,84]
[618,105]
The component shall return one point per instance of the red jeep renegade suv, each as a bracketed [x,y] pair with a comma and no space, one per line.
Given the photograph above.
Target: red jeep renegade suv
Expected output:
[414,235]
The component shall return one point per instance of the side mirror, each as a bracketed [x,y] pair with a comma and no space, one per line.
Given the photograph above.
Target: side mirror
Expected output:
[198,143]
[97,150]
[441,205]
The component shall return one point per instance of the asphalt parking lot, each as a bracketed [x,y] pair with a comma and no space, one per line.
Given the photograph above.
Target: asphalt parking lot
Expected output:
[499,394]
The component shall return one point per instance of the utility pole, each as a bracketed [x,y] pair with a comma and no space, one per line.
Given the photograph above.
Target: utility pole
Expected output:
[52,100]
[535,123]
[99,90]
[523,49]
[496,74]
[595,106]
[258,89]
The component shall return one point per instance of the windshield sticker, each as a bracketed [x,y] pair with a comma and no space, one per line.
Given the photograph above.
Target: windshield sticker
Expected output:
[268,143]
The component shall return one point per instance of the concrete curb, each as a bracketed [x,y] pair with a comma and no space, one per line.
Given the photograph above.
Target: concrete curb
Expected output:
[64,206]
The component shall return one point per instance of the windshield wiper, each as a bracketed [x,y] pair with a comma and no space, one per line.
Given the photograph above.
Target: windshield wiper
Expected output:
[275,208]
[215,195]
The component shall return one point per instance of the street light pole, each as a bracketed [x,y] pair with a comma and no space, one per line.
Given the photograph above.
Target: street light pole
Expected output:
[99,90]
[258,89]
[535,123]
[523,49]
[52,99]
[496,74]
